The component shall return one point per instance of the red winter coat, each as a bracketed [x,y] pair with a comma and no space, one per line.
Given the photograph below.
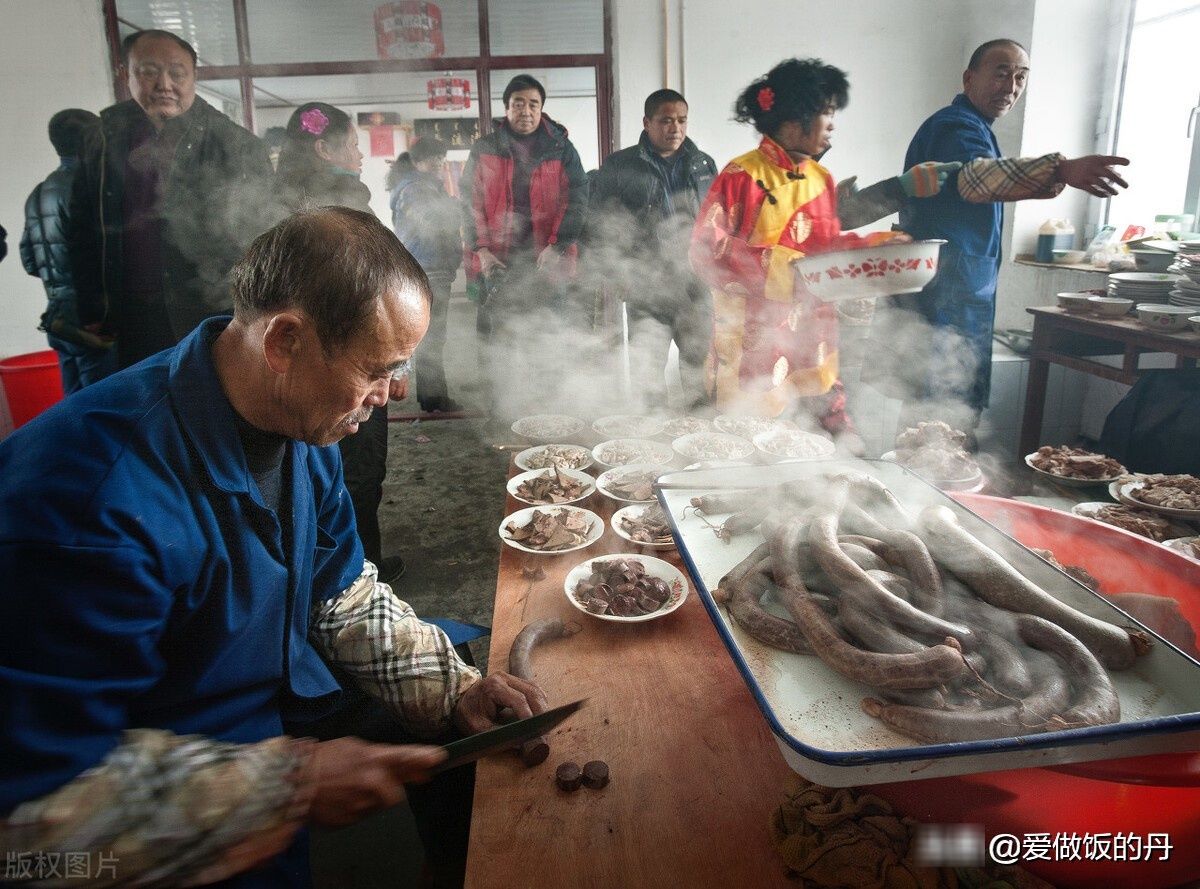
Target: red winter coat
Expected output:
[557,196]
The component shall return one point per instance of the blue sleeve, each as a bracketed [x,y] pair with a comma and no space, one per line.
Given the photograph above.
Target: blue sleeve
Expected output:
[338,555]
[79,635]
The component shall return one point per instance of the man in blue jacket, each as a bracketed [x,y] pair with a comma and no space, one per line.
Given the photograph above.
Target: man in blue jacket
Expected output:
[83,356]
[182,574]
[948,370]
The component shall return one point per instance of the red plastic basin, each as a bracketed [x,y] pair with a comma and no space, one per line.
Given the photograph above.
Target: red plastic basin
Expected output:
[32,383]
[1142,795]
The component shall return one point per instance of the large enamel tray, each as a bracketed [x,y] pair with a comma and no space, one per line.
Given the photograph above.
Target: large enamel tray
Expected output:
[815,713]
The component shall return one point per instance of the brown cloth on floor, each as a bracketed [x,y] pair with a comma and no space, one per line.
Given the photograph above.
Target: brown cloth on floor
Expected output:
[844,838]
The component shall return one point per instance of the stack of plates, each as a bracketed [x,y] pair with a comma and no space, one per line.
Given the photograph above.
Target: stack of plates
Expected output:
[1142,287]
[1187,286]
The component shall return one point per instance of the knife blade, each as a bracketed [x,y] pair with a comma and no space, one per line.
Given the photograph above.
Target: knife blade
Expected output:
[467,750]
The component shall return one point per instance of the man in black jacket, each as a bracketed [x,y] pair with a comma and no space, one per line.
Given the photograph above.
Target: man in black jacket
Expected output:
[83,357]
[657,185]
[168,196]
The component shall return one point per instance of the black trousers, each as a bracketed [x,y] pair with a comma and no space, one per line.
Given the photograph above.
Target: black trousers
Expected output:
[430,371]
[364,465]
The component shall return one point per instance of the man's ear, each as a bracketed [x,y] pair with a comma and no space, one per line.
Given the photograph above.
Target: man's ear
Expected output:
[283,341]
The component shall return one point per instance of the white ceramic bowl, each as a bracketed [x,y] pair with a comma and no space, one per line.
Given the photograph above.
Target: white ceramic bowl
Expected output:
[1160,316]
[654,568]
[1074,302]
[1069,256]
[1152,260]
[779,445]
[547,428]
[712,446]
[628,426]
[676,427]
[868,272]
[1194,320]
[1110,306]
[633,512]
[582,457]
[626,451]
[589,485]
[523,517]
[605,479]
[749,426]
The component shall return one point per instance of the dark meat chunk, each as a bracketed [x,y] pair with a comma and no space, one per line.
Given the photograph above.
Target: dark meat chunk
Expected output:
[568,776]
[595,774]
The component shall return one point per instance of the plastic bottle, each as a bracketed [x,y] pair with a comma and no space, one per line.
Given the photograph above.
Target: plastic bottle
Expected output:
[1055,234]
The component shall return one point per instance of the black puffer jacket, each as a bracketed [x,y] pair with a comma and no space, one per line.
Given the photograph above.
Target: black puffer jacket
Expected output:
[632,179]
[215,202]
[44,241]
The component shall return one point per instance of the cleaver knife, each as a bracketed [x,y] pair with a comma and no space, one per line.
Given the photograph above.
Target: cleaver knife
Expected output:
[459,753]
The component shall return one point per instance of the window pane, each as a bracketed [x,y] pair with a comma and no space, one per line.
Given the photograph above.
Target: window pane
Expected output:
[206,24]
[359,30]
[224,95]
[570,101]
[403,94]
[1160,91]
[534,27]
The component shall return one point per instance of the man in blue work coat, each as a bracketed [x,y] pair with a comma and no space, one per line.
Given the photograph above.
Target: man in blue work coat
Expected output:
[946,373]
[182,575]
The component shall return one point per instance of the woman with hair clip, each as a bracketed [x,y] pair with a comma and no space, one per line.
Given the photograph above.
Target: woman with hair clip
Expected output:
[775,350]
[319,166]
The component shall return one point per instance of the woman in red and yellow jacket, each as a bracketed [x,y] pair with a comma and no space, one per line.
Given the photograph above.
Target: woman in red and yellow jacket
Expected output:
[775,348]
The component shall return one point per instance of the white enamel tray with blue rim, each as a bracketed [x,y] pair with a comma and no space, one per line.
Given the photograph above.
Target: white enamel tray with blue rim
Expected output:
[814,712]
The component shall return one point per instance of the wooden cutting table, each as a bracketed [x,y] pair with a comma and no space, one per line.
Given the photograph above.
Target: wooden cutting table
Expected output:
[1073,340]
[695,771]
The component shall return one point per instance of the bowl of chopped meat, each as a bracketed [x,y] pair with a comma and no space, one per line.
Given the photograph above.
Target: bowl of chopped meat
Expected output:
[551,530]
[1074,467]
[566,456]
[643,525]
[625,451]
[547,487]
[629,484]
[626,588]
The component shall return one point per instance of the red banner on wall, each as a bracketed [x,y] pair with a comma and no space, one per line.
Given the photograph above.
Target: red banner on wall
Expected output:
[383,142]
[409,30]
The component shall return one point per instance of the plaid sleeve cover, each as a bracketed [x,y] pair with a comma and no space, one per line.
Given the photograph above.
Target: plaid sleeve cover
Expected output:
[989,179]
[406,663]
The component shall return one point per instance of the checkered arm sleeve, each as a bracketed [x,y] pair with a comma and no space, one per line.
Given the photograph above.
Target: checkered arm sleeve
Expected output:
[161,810]
[988,179]
[406,663]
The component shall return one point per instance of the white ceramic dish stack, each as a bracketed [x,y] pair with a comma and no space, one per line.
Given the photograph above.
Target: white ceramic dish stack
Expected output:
[1142,287]
[814,712]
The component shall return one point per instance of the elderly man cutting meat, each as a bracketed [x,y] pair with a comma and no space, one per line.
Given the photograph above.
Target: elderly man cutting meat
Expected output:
[183,572]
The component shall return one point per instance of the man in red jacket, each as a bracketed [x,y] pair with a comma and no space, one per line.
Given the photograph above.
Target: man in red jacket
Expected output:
[525,200]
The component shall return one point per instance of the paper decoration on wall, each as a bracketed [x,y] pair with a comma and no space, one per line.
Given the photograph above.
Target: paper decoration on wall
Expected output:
[456,132]
[380,119]
[409,29]
[383,142]
[449,93]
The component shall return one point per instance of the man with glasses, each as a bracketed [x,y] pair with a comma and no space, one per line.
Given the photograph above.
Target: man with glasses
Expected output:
[167,197]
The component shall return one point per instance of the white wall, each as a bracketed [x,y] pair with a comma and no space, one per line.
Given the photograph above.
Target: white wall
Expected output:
[52,56]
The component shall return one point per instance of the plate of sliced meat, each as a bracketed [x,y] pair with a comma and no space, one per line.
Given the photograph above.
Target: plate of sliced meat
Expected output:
[1137,521]
[1074,467]
[1171,495]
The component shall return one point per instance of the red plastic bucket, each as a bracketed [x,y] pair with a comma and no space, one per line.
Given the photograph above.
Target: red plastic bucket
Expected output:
[31,384]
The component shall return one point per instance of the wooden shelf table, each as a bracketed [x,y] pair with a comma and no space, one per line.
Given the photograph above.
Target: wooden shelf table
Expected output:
[1074,340]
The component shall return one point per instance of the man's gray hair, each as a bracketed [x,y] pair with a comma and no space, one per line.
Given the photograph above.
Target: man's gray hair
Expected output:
[332,263]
